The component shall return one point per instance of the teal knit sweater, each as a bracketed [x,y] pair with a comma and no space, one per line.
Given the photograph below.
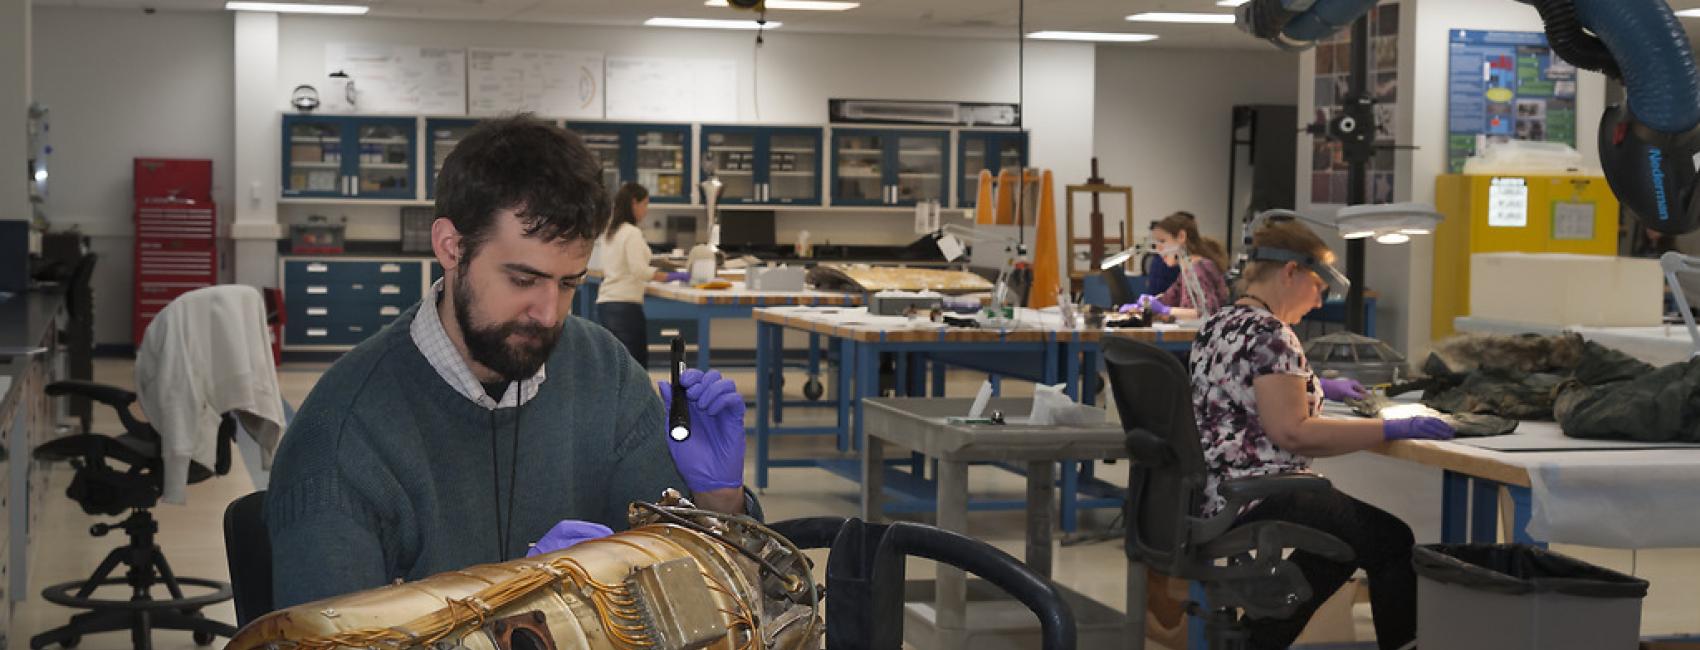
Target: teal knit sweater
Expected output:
[387,472]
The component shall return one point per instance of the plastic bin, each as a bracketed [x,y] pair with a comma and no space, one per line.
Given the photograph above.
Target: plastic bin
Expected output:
[1517,597]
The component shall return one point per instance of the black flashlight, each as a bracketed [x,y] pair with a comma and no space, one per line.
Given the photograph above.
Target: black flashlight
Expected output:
[678,413]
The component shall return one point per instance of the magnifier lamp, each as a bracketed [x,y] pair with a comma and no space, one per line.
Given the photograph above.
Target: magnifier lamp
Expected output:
[1386,223]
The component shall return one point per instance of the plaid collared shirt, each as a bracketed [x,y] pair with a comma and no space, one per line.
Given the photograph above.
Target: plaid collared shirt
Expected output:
[434,343]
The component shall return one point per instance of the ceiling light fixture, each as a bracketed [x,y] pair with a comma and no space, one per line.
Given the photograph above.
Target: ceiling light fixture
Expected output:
[297,8]
[1230,3]
[1689,13]
[1174,17]
[706,23]
[1102,37]
[798,5]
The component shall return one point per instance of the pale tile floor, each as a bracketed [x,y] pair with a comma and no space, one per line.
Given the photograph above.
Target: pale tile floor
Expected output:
[193,540]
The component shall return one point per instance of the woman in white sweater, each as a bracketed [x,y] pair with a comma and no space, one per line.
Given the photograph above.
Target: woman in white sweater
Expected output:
[625,272]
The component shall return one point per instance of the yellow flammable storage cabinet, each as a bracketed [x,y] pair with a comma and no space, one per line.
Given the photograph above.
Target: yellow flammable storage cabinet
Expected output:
[1508,213]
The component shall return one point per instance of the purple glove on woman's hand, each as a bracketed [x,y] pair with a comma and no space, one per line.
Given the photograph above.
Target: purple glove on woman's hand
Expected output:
[712,458]
[1417,428]
[1153,305]
[679,276]
[566,534]
[1342,389]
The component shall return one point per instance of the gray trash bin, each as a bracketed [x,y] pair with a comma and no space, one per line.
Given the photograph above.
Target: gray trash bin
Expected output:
[1521,597]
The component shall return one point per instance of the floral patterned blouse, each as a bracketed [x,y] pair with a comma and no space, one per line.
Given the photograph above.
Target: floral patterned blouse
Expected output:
[1209,279]
[1236,345]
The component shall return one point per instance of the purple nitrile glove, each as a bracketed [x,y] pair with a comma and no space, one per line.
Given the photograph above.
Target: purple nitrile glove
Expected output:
[678,276]
[712,458]
[1128,308]
[1417,428]
[1340,390]
[566,534]
[1153,304]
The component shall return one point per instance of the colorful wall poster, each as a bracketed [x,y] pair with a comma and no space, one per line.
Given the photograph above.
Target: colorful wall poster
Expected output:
[1333,83]
[1506,86]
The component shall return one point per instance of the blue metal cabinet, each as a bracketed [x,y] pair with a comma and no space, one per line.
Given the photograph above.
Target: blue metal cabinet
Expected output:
[335,303]
[441,137]
[350,157]
[989,150]
[889,167]
[656,156]
[765,165]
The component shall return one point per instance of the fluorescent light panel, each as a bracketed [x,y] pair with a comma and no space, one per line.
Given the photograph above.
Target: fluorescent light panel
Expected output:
[1102,37]
[297,8]
[1173,17]
[707,23]
[798,5]
[1230,3]
[1689,13]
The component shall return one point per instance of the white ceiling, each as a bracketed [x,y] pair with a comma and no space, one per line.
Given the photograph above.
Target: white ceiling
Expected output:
[942,18]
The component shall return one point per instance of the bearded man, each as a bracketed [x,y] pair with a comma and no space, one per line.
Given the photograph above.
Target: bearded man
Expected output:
[486,416]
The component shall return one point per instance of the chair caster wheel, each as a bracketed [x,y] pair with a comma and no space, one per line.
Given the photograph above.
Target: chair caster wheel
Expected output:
[71,642]
[813,390]
[204,638]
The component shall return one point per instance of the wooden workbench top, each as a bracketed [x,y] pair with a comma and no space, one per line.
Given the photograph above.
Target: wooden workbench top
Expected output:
[1030,327]
[738,295]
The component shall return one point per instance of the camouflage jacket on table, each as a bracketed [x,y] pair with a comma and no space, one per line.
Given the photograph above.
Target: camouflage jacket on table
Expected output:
[1591,390]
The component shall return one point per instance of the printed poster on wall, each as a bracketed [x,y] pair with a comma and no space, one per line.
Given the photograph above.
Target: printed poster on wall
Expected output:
[556,83]
[1506,86]
[1328,174]
[395,79]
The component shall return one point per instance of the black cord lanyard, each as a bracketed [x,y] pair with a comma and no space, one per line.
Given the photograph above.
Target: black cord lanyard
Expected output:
[505,525]
[1260,301]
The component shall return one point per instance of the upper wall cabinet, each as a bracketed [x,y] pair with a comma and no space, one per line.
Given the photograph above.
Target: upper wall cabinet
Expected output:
[441,137]
[993,151]
[350,157]
[656,156]
[765,165]
[892,167]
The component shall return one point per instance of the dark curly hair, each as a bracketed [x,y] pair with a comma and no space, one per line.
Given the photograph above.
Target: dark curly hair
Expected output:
[518,162]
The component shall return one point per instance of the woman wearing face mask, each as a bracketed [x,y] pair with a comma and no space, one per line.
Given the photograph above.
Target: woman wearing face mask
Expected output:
[1200,290]
[1257,404]
[1160,271]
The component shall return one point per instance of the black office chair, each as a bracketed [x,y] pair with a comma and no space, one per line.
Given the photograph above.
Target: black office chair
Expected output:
[865,578]
[1240,567]
[114,475]
[78,334]
[248,548]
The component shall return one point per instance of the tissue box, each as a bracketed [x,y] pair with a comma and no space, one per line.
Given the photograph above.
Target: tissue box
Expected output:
[774,278]
[1564,289]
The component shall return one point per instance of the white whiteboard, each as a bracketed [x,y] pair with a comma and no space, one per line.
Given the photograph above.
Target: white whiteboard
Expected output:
[556,83]
[686,90]
[396,79]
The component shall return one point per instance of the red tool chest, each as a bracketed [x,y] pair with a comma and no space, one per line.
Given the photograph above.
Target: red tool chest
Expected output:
[176,234]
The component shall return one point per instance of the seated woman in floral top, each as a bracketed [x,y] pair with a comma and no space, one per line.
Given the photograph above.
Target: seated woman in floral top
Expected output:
[1175,233]
[1257,404]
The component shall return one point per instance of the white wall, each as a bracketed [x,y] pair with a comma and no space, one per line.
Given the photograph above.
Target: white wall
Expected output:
[14,112]
[167,94]
[1163,118]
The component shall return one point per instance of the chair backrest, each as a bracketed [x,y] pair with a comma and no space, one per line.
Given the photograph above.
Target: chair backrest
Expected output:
[79,289]
[248,547]
[1121,289]
[1166,480]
